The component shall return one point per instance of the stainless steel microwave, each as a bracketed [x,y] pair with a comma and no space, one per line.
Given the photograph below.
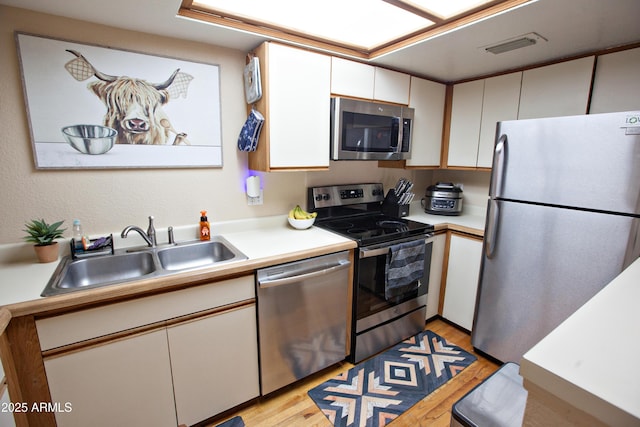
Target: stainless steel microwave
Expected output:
[364,130]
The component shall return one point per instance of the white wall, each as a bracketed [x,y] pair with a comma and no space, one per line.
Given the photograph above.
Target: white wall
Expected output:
[108,200]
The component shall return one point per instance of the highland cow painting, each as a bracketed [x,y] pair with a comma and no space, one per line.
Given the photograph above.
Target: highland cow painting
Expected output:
[96,107]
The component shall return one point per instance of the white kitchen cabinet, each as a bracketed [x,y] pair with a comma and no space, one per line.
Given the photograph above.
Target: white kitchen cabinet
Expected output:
[351,78]
[435,274]
[214,363]
[466,116]
[184,356]
[358,80]
[126,382]
[463,269]
[616,86]
[476,108]
[500,102]
[560,89]
[427,98]
[295,103]
[391,86]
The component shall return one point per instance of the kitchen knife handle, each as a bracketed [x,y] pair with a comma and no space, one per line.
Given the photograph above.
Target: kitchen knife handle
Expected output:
[499,163]
[492,228]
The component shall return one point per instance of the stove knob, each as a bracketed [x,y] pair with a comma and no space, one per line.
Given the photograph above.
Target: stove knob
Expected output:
[326,197]
[318,197]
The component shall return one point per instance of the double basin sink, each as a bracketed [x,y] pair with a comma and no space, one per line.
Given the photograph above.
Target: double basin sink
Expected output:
[133,264]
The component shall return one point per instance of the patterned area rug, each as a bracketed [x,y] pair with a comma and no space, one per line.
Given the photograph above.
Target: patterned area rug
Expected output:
[233,422]
[378,390]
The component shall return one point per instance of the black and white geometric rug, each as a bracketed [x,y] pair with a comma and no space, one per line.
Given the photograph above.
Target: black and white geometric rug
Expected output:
[376,391]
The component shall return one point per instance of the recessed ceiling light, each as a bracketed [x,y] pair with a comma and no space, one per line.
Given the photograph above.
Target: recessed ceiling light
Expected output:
[361,28]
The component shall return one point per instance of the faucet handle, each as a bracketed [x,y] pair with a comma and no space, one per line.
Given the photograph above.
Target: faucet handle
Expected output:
[151,231]
[171,239]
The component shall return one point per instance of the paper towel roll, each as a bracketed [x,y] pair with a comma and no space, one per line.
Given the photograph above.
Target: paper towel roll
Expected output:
[253,186]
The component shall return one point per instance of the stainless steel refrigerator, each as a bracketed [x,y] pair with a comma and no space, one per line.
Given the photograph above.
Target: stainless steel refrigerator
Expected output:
[563,220]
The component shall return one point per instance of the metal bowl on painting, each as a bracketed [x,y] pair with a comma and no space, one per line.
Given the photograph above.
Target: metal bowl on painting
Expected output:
[90,139]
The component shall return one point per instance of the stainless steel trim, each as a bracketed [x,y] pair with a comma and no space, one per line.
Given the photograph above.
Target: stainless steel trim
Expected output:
[390,313]
[300,277]
[380,338]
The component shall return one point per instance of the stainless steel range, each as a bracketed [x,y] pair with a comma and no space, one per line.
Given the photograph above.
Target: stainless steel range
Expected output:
[393,260]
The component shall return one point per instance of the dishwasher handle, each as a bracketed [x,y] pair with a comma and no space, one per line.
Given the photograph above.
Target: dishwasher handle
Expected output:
[301,277]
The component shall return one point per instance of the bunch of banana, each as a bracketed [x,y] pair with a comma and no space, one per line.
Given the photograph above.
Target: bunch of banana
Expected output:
[299,213]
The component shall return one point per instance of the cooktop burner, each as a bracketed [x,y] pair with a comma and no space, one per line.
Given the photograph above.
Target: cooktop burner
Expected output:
[355,211]
[374,228]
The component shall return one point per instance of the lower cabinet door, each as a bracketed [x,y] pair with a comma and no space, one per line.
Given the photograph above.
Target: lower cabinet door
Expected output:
[214,360]
[126,382]
[463,269]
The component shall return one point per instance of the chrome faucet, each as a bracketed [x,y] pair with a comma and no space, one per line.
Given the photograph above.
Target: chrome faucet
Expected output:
[149,236]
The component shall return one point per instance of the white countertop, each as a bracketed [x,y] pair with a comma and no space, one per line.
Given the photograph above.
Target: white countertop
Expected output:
[589,360]
[22,278]
[472,217]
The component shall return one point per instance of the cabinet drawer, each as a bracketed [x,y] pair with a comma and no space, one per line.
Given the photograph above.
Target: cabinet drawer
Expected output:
[96,322]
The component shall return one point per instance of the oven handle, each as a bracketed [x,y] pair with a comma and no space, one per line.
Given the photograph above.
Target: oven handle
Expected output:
[376,250]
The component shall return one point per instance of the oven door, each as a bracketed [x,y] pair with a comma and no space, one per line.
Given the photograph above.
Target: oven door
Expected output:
[373,305]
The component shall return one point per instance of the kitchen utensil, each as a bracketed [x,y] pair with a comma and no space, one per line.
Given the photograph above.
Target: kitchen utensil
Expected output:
[90,139]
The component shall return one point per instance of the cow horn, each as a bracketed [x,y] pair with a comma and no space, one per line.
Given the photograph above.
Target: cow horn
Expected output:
[166,84]
[98,74]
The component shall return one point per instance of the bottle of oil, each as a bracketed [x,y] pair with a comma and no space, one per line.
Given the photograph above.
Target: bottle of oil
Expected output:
[205,230]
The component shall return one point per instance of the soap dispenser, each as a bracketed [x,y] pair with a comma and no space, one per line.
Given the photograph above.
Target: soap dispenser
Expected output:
[205,230]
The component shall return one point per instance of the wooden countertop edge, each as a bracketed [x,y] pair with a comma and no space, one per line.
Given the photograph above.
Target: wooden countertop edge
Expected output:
[138,288]
[5,318]
[459,228]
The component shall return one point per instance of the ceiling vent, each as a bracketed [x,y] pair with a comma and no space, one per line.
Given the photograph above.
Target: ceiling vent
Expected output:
[514,43]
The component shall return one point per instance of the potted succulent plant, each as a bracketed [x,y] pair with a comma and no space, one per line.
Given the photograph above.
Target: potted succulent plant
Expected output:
[43,236]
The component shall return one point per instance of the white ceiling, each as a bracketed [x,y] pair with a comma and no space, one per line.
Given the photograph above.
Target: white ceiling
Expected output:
[572,27]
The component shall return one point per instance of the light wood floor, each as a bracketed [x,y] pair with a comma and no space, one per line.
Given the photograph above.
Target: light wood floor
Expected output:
[293,407]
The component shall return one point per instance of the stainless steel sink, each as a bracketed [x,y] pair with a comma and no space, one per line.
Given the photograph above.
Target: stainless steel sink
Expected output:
[106,269]
[128,265]
[195,255]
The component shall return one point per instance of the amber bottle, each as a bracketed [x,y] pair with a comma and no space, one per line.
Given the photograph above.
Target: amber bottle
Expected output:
[205,230]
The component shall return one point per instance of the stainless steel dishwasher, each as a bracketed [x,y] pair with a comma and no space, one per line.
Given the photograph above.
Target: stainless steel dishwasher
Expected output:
[302,318]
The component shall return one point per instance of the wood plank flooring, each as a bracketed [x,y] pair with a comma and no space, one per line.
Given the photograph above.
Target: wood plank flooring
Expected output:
[292,406]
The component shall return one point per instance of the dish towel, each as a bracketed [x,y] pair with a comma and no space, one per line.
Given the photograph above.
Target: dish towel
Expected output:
[405,265]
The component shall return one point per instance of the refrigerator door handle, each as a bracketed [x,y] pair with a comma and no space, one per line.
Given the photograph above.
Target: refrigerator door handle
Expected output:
[492,229]
[499,160]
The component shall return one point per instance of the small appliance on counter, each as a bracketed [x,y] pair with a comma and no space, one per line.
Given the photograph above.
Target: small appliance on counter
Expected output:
[443,198]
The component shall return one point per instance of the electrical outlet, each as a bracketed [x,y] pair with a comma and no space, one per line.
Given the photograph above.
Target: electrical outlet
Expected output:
[251,201]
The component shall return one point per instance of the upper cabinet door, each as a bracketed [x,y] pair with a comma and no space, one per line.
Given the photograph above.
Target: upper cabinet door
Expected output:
[427,98]
[616,86]
[391,86]
[556,90]
[295,103]
[350,78]
[500,102]
[466,114]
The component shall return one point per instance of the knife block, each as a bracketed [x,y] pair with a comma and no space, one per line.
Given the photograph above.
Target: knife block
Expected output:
[391,207]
